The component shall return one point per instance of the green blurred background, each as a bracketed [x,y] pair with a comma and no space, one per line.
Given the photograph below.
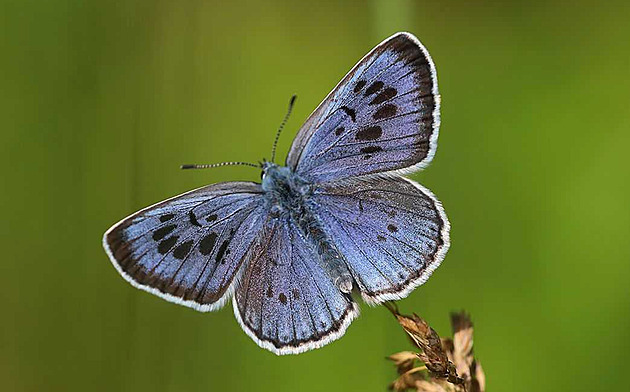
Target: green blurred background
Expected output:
[101,101]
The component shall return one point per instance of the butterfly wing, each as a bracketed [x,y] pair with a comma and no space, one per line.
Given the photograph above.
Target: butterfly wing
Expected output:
[188,249]
[383,116]
[285,301]
[392,232]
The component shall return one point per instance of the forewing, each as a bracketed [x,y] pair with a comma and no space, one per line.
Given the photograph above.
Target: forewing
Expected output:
[392,232]
[285,301]
[188,249]
[383,116]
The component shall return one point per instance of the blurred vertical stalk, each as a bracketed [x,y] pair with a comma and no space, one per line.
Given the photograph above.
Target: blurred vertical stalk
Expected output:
[390,16]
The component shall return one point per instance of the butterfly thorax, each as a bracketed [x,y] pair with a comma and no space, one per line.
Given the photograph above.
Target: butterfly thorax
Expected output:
[283,187]
[288,197]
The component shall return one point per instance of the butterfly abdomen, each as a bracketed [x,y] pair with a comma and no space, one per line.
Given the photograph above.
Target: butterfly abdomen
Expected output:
[330,258]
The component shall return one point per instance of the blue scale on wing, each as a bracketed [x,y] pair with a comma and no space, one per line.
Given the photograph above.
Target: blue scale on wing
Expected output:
[381,117]
[192,246]
[390,231]
[383,143]
[285,300]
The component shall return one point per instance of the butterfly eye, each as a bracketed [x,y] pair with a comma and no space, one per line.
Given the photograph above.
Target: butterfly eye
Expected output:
[262,175]
[275,211]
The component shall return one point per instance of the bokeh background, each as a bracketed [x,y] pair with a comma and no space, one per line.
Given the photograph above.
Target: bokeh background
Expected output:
[101,101]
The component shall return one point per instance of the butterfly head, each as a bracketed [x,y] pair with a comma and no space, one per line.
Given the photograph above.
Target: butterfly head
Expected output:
[269,172]
[266,165]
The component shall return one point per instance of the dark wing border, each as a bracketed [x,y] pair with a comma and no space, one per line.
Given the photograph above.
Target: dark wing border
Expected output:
[333,335]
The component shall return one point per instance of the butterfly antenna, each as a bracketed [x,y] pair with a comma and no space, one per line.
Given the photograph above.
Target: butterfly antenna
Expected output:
[286,117]
[220,164]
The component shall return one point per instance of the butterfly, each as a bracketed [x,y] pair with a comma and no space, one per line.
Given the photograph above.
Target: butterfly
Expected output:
[337,218]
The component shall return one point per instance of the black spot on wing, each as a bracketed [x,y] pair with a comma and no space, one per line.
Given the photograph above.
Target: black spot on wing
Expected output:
[211,218]
[371,149]
[360,84]
[269,292]
[282,298]
[385,111]
[193,219]
[374,87]
[339,131]
[350,112]
[381,238]
[182,250]
[222,250]
[392,228]
[384,95]
[167,244]
[166,217]
[207,244]
[371,133]
[163,232]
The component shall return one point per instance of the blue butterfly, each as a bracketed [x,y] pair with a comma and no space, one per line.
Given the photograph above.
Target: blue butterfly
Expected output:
[338,217]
